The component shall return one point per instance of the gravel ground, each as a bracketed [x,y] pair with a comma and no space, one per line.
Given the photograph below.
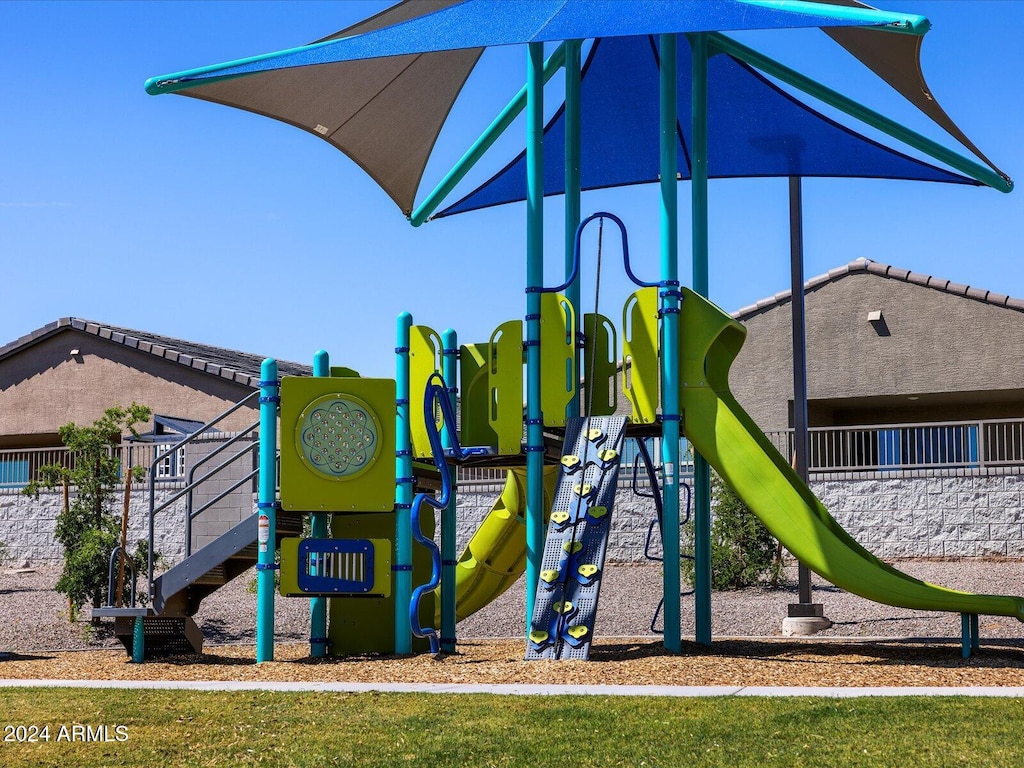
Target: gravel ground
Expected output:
[34,618]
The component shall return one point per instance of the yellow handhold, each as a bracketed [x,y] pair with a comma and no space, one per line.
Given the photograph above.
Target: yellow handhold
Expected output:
[572,546]
[538,636]
[560,517]
[549,577]
[577,631]
[571,460]
[583,489]
[586,571]
[594,433]
[607,454]
[597,512]
[562,607]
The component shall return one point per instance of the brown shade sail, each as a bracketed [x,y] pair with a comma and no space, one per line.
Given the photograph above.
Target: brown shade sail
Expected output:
[897,60]
[383,113]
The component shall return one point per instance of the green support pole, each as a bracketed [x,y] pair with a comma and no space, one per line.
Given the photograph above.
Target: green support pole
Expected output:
[267,510]
[699,208]
[534,281]
[670,341]
[449,370]
[403,489]
[318,530]
[573,64]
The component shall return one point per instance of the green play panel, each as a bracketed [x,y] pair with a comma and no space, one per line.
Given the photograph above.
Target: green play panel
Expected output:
[337,444]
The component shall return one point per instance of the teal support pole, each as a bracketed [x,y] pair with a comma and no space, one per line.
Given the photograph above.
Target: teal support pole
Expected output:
[670,431]
[318,530]
[534,281]
[449,370]
[266,541]
[573,64]
[835,99]
[497,127]
[138,641]
[699,209]
[402,567]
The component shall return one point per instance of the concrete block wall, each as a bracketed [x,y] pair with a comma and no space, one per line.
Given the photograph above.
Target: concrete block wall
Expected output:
[892,518]
[234,507]
[931,517]
[27,525]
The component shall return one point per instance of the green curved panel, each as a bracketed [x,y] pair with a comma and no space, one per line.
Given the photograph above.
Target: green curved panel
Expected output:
[559,379]
[474,425]
[728,438]
[424,361]
[495,556]
[600,366]
[505,386]
[640,375]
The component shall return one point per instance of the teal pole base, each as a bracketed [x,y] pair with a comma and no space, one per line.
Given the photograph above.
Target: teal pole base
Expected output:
[138,641]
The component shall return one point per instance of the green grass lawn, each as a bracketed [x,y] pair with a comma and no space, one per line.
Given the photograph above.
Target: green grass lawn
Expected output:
[172,728]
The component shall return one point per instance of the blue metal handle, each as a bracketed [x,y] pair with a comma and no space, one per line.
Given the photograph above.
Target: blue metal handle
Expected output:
[436,392]
[576,254]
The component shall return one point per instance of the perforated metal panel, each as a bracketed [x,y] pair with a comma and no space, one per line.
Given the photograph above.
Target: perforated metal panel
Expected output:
[562,626]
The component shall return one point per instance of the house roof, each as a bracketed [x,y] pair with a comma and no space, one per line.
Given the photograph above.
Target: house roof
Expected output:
[239,367]
[867,266]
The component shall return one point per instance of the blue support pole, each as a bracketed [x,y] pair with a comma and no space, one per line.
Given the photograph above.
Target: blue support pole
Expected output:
[534,281]
[699,208]
[403,489]
[573,64]
[318,530]
[267,509]
[449,371]
[670,341]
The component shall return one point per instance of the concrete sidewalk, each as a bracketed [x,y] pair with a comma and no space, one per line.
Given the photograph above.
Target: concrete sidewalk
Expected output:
[677,691]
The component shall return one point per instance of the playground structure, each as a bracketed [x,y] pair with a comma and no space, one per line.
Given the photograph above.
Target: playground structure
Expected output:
[377,580]
[677,349]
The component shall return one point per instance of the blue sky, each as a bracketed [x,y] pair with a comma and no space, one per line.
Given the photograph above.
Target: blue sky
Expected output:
[211,224]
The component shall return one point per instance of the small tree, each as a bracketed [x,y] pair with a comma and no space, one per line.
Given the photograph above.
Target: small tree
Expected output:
[743,552]
[86,527]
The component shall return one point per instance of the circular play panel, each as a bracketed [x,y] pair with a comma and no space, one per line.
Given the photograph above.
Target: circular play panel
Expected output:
[338,436]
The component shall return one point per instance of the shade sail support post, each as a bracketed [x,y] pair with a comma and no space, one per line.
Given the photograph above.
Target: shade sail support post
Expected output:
[403,487]
[573,76]
[318,523]
[270,391]
[699,245]
[534,282]
[670,425]
[479,148]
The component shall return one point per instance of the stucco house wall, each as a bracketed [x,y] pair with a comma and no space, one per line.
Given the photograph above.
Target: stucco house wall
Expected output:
[955,350]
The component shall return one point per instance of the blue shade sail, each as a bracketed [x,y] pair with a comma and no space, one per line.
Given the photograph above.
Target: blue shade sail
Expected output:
[755,129]
[483,23]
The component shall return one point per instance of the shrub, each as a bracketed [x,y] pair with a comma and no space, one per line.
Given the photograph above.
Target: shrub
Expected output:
[87,528]
[743,552]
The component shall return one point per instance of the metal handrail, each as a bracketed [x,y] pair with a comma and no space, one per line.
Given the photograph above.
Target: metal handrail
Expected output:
[153,509]
[119,550]
[976,445]
[190,516]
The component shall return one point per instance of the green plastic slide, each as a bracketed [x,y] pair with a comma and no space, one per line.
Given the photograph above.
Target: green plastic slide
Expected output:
[729,439]
[495,557]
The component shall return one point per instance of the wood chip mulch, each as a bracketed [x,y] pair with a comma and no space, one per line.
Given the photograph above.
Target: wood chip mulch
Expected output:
[739,662]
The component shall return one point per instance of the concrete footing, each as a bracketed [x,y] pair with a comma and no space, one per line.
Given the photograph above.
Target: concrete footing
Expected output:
[805,619]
